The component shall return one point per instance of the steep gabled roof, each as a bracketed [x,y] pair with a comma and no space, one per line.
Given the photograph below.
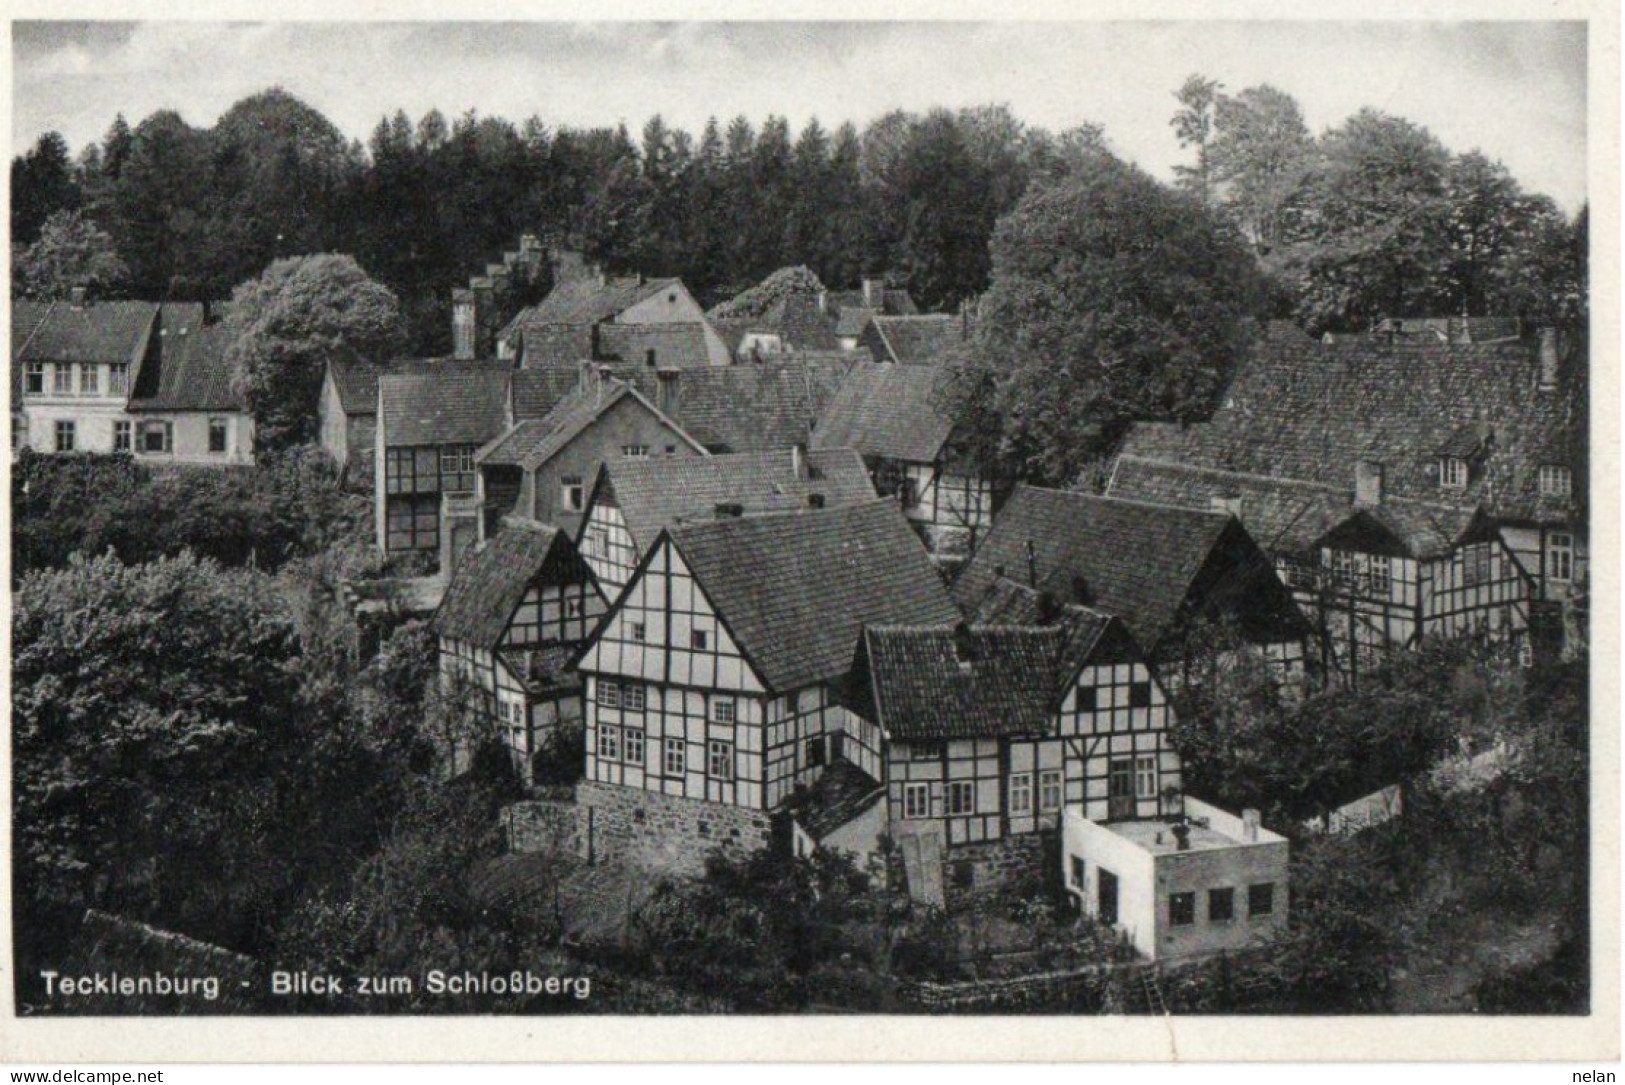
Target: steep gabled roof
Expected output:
[189,370]
[449,405]
[852,321]
[589,301]
[656,493]
[746,408]
[532,443]
[490,581]
[1150,565]
[357,379]
[887,411]
[914,340]
[674,346]
[842,792]
[797,589]
[947,682]
[1287,516]
[98,331]
[1305,410]
[536,391]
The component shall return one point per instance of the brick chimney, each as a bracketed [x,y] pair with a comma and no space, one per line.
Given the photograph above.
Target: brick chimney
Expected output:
[874,294]
[1367,484]
[1548,359]
[76,296]
[798,460]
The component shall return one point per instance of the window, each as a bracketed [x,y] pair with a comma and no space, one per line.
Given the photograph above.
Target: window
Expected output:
[719,760]
[961,797]
[1261,898]
[1453,473]
[1560,556]
[639,631]
[1145,777]
[1555,480]
[634,452]
[916,800]
[1181,909]
[1475,562]
[676,757]
[118,378]
[456,461]
[572,494]
[65,433]
[699,639]
[1382,574]
[609,743]
[1049,791]
[62,379]
[633,739]
[723,710]
[1221,905]
[632,698]
[925,751]
[90,379]
[671,450]
[217,435]
[609,694]
[815,751]
[156,437]
[123,437]
[1021,793]
[792,704]
[964,874]
[1088,698]
[1139,695]
[1078,871]
[34,379]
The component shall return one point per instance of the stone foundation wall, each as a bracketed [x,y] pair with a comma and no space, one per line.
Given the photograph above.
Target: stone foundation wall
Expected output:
[552,826]
[664,833]
[998,864]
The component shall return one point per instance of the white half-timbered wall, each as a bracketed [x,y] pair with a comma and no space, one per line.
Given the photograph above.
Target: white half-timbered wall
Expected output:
[1112,738]
[950,507]
[607,546]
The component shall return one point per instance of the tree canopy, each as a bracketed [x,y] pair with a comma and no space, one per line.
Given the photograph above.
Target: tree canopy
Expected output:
[71,251]
[289,322]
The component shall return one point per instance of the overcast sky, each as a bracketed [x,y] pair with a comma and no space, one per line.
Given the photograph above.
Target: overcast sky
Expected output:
[1515,90]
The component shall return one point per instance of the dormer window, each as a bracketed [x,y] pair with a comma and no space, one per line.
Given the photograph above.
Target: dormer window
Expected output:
[1453,473]
[1555,480]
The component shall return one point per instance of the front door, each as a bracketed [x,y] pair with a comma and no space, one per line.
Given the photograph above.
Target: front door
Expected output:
[1120,790]
[1106,912]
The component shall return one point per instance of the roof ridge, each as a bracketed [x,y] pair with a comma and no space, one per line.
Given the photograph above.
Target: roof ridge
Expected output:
[1128,501]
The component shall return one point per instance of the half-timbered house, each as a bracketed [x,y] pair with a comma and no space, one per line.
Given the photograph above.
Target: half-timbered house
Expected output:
[430,424]
[517,609]
[888,415]
[717,677]
[1500,424]
[1165,571]
[1372,573]
[632,501]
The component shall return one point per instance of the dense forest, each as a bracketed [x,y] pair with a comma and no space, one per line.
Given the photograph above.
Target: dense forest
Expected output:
[1374,217]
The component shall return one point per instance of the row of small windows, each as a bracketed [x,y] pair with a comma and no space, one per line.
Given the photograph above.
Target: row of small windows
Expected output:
[628,745]
[429,470]
[60,376]
[699,636]
[1138,774]
[1221,904]
[1555,479]
[156,437]
[632,697]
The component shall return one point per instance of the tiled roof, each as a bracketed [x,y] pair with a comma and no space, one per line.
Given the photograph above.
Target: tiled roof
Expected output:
[675,346]
[840,794]
[189,371]
[914,340]
[656,493]
[1009,603]
[796,590]
[948,682]
[852,321]
[799,321]
[746,408]
[544,345]
[100,331]
[490,581]
[886,410]
[1286,516]
[357,379]
[532,443]
[27,317]
[537,391]
[587,301]
[449,405]
[1300,409]
[1150,565]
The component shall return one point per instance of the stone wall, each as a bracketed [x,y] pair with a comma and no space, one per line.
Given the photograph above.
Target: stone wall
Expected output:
[663,833]
[992,865]
[552,826]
